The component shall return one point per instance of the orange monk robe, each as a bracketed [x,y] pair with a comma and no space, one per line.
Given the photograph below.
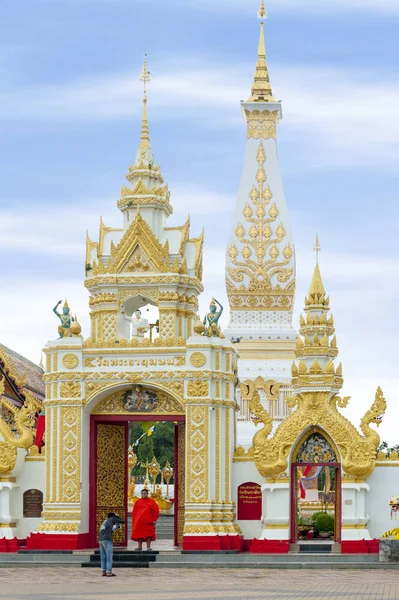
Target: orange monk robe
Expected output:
[145,514]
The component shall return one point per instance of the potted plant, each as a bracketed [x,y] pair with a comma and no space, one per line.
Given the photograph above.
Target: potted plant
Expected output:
[324,524]
[304,526]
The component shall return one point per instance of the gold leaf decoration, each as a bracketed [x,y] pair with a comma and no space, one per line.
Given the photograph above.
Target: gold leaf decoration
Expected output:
[70,361]
[198,388]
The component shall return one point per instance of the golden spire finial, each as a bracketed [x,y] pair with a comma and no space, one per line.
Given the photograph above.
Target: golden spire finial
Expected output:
[261,90]
[145,78]
[317,248]
[316,286]
[262,14]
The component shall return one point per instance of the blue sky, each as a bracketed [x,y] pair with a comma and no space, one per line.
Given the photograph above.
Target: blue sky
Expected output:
[70,105]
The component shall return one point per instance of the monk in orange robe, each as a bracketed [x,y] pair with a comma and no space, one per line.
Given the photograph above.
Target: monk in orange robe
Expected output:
[144,516]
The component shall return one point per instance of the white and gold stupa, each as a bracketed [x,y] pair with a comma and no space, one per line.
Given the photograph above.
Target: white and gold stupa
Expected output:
[260,262]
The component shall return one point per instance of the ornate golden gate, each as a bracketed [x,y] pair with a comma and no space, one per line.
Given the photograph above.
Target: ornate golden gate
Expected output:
[111,475]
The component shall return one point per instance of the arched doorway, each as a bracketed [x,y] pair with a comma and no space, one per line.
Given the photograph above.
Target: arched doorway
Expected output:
[110,423]
[315,488]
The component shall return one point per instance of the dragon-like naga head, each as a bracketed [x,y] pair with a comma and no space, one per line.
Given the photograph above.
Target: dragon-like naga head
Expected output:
[377,410]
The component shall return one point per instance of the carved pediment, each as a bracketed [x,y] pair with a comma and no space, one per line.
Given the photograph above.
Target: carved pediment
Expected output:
[139,247]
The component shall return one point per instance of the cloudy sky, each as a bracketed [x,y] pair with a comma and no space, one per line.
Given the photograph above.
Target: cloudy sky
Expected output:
[70,105]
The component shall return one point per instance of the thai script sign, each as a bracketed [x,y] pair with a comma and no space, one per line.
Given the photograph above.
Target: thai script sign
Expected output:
[249,505]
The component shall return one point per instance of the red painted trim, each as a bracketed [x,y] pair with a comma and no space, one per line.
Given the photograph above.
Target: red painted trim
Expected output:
[123,420]
[293,501]
[213,542]
[92,482]
[269,547]
[354,547]
[374,546]
[176,487]
[127,442]
[50,541]
[360,546]
[11,544]
[338,492]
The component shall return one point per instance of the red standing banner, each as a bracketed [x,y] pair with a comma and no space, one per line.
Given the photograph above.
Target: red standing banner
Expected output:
[249,505]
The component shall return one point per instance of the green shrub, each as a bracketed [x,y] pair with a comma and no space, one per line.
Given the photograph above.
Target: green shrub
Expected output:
[303,522]
[315,515]
[324,522]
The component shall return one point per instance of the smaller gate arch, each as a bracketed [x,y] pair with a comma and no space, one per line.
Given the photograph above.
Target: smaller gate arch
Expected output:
[315,447]
[314,432]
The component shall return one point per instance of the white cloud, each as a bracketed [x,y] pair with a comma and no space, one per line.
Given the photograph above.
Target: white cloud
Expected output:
[39,230]
[308,6]
[251,6]
[347,123]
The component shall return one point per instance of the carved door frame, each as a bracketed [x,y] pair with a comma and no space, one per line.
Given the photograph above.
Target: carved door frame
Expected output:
[123,421]
[294,498]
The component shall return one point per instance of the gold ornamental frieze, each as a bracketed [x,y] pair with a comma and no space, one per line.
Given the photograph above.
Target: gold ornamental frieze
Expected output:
[138,400]
[153,279]
[262,123]
[51,526]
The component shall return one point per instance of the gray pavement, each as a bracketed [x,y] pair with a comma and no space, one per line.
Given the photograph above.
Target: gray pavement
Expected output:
[180,584]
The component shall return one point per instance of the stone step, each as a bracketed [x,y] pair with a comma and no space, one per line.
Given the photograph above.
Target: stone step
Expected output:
[132,558]
[38,563]
[315,548]
[266,558]
[275,565]
[119,565]
[129,552]
[43,558]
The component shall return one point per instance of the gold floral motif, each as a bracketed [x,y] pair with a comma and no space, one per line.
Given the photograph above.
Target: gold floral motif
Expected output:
[135,376]
[54,526]
[204,529]
[198,388]
[53,514]
[69,471]
[197,450]
[69,389]
[70,361]
[262,269]
[198,359]
[153,279]
[101,298]
[262,123]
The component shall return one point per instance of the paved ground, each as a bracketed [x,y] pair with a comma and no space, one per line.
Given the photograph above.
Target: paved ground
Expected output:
[181,584]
